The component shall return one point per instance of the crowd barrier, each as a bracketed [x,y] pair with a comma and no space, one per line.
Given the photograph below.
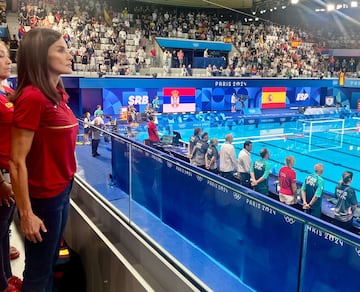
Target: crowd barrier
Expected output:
[265,244]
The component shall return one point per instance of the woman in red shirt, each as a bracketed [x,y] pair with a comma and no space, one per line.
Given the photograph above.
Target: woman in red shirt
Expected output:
[42,159]
[7,201]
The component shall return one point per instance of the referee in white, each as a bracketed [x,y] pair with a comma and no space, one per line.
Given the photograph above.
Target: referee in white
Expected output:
[228,162]
[244,164]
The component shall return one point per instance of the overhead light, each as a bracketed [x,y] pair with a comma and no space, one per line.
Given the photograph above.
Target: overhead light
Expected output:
[271,9]
[283,7]
[294,2]
[275,8]
[339,6]
[353,4]
[330,7]
[254,13]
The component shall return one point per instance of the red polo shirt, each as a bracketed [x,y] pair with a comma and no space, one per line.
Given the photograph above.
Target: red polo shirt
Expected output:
[152,132]
[6,117]
[51,160]
[287,176]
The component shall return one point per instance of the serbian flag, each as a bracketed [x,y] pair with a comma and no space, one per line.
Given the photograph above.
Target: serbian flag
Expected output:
[179,100]
[107,18]
[273,97]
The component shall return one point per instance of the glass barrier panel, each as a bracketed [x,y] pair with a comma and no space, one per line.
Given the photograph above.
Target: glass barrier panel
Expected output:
[330,262]
[244,235]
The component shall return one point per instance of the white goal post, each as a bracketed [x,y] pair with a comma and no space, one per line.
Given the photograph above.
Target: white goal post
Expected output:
[324,133]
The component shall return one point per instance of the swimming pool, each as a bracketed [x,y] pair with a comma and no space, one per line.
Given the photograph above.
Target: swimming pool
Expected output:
[336,150]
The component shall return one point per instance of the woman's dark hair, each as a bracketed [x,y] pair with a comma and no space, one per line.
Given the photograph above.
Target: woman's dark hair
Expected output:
[32,63]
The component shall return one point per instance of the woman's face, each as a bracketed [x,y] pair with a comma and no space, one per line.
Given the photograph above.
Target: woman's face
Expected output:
[59,59]
[5,63]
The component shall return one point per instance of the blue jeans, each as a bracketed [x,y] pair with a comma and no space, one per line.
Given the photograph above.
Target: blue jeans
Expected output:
[6,216]
[40,258]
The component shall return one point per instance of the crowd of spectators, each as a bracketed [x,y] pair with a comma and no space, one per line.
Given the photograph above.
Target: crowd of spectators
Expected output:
[117,42]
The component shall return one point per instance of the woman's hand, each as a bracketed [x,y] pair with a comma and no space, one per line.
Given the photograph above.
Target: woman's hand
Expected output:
[31,226]
[6,195]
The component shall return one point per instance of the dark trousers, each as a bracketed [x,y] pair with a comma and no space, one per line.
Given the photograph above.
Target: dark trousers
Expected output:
[316,212]
[345,225]
[94,146]
[41,257]
[6,216]
[229,175]
[245,179]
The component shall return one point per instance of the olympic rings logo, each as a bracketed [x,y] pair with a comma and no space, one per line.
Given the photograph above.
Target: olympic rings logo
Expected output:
[289,220]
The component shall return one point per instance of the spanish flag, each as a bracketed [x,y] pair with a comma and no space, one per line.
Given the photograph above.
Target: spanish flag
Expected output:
[107,18]
[273,97]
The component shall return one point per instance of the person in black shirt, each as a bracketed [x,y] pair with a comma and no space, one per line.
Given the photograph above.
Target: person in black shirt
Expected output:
[200,150]
[347,202]
[193,140]
[212,156]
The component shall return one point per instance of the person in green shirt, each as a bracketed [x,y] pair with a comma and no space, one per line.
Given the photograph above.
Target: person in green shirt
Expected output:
[312,190]
[260,171]
[98,112]
[155,104]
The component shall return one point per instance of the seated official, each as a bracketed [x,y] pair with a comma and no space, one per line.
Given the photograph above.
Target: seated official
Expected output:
[347,202]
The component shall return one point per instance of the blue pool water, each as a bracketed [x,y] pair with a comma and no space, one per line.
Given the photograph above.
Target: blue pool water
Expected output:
[338,152]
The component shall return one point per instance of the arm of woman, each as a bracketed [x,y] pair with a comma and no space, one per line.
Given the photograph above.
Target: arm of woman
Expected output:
[30,224]
[6,194]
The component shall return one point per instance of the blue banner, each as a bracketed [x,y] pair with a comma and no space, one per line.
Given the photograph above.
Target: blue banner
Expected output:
[193,44]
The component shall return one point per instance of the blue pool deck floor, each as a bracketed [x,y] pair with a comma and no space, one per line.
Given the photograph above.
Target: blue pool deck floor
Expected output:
[96,172]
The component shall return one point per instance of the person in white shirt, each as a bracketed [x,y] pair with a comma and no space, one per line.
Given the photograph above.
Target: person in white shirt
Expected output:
[98,122]
[244,164]
[228,162]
